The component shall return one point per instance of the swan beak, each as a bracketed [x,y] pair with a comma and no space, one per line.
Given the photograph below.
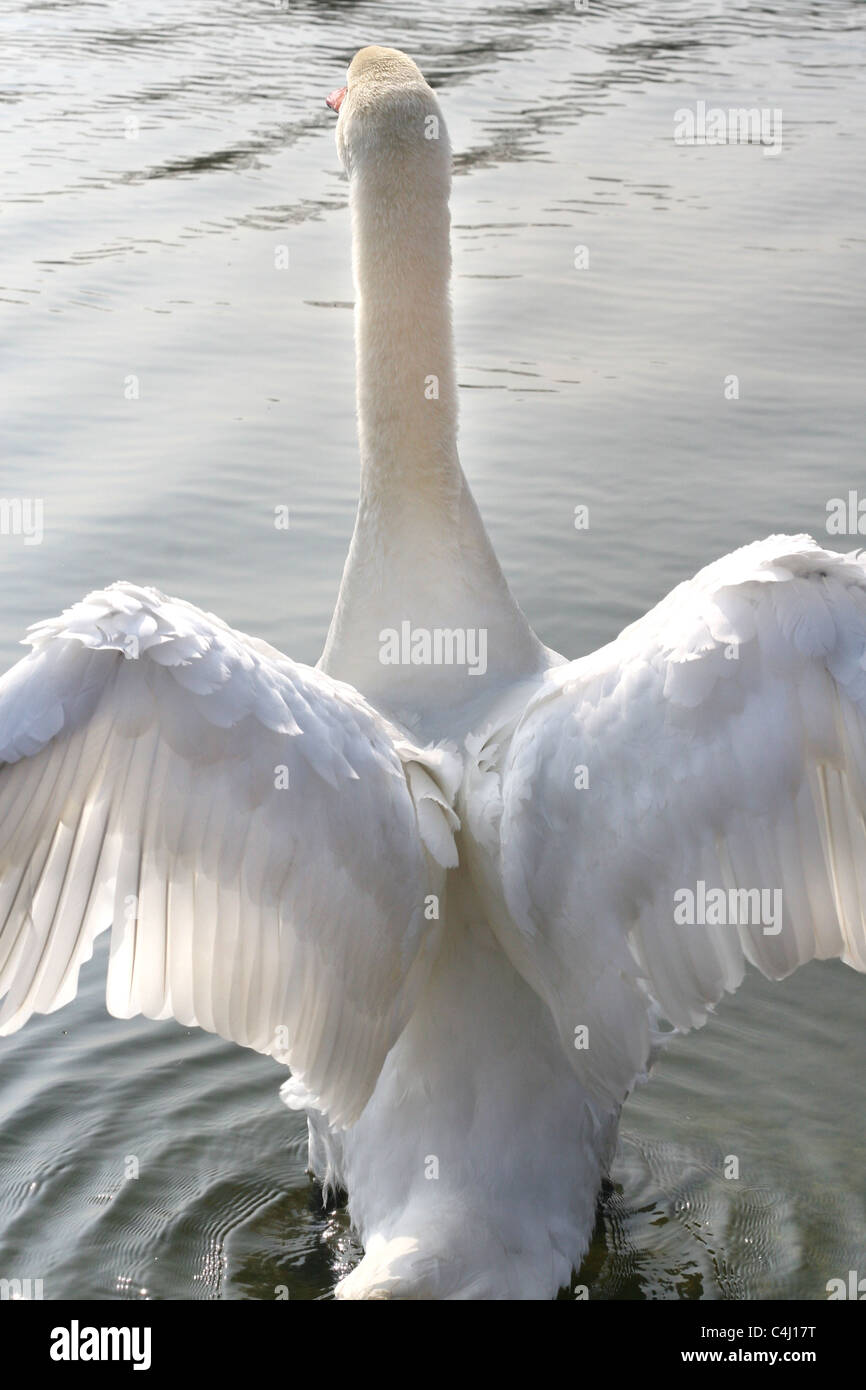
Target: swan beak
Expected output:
[335,100]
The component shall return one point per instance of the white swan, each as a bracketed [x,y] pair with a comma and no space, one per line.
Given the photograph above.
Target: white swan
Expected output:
[464,1003]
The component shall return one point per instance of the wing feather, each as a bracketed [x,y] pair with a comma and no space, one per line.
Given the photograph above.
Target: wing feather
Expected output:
[259,840]
[724,736]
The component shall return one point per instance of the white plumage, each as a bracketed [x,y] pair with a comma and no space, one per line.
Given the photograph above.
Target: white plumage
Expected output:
[197,789]
[453,906]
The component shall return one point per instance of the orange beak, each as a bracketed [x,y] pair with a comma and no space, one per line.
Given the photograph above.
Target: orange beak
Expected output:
[335,100]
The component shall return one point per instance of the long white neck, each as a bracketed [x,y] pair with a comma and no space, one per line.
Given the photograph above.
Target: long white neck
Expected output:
[419,554]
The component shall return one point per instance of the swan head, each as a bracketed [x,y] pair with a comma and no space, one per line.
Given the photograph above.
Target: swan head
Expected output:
[389,118]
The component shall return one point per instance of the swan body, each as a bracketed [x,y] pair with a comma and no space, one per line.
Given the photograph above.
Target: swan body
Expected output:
[458,905]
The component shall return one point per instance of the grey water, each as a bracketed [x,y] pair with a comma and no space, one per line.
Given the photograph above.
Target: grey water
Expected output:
[670,335]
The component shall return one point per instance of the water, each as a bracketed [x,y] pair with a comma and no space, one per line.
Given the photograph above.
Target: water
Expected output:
[166,387]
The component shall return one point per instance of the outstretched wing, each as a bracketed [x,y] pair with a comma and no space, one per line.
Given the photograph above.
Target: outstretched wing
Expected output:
[259,839]
[686,799]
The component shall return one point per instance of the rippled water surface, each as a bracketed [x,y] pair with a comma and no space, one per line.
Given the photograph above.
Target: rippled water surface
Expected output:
[165,387]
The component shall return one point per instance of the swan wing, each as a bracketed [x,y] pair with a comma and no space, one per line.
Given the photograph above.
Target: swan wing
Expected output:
[258,838]
[685,800]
